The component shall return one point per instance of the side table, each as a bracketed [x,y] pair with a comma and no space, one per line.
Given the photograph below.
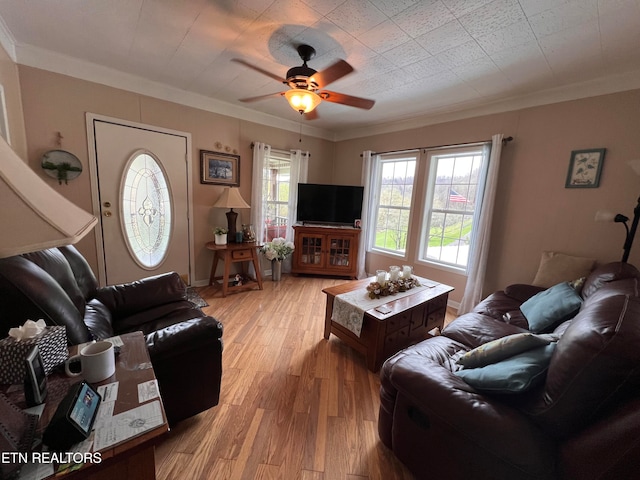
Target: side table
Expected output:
[243,253]
[125,457]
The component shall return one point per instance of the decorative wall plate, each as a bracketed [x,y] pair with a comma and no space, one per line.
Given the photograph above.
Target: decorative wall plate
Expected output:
[62,165]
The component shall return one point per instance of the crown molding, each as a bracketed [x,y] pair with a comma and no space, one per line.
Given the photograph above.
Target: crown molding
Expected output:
[58,63]
[55,62]
[592,88]
[7,40]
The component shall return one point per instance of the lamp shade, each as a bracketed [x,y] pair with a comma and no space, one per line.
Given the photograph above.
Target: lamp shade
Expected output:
[231,198]
[301,100]
[604,216]
[635,165]
[34,216]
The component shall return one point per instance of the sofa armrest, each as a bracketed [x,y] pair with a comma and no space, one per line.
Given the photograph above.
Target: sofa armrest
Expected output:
[175,340]
[129,298]
[187,360]
[449,410]
[522,292]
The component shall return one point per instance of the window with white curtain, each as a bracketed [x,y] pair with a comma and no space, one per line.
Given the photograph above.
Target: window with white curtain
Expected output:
[451,205]
[276,189]
[392,185]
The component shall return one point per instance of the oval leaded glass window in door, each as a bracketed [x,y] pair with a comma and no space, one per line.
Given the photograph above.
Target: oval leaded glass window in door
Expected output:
[146,210]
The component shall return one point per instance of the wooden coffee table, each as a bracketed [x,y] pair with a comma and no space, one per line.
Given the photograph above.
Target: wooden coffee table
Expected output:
[411,319]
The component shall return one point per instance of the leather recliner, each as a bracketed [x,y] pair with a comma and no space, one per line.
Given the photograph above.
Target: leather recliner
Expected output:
[185,345]
[582,422]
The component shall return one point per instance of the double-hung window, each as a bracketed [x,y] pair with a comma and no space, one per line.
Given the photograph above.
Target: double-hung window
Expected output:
[393,193]
[276,185]
[452,203]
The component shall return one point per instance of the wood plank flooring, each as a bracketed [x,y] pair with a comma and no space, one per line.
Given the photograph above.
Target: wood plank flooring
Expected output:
[293,405]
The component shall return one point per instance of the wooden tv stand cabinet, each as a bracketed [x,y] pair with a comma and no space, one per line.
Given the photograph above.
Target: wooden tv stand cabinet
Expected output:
[326,250]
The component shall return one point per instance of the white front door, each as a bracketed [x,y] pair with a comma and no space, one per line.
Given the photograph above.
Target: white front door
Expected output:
[141,175]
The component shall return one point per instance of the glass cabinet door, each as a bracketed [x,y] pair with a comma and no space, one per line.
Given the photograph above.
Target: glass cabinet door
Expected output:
[339,251]
[311,253]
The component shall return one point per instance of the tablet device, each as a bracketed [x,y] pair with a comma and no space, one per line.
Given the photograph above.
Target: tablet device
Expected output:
[74,417]
[35,379]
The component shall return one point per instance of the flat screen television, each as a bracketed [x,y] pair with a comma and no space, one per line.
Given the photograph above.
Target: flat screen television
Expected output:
[329,204]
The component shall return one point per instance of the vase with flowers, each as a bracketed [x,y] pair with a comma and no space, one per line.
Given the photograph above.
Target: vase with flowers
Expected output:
[277,250]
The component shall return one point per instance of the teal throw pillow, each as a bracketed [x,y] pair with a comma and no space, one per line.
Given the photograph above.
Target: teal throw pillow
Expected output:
[551,306]
[513,375]
[502,348]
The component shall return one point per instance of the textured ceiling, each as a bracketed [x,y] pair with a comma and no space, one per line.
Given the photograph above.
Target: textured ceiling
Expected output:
[415,58]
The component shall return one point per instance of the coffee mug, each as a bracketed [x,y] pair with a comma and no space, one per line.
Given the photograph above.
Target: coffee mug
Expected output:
[97,361]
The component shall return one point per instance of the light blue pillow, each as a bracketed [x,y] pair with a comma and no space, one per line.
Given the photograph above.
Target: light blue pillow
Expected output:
[513,375]
[551,306]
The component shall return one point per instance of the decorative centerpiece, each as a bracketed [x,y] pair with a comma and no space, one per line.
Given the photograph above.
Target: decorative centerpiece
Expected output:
[396,283]
[277,250]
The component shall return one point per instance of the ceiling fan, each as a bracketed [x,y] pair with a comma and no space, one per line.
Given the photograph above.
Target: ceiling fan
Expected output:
[307,85]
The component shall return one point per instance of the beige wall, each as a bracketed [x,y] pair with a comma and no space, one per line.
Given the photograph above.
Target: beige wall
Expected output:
[534,211]
[58,103]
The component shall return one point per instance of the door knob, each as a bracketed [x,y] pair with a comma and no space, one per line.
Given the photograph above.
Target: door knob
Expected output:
[107,204]
[107,213]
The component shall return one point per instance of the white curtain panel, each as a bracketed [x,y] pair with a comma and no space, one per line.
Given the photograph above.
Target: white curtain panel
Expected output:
[364,234]
[477,266]
[299,170]
[261,152]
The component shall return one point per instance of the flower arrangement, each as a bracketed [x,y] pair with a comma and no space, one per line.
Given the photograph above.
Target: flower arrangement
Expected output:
[220,230]
[277,249]
[377,290]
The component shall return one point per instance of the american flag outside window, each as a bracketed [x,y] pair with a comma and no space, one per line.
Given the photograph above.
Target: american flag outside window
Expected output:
[456,197]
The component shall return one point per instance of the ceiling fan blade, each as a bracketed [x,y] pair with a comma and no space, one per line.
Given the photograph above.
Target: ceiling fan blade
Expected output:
[258,69]
[312,115]
[332,73]
[261,97]
[344,99]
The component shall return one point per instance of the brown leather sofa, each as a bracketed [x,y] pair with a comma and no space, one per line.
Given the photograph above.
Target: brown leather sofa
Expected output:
[185,345]
[581,422]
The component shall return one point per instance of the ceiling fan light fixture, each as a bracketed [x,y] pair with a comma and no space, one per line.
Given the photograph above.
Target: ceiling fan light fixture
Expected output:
[303,101]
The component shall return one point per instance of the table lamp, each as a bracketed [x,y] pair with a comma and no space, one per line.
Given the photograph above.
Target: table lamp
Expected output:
[231,198]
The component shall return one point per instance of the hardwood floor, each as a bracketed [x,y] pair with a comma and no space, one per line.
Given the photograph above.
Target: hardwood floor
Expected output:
[293,405]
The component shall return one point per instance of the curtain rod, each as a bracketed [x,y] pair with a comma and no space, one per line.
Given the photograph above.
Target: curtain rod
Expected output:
[279,150]
[434,147]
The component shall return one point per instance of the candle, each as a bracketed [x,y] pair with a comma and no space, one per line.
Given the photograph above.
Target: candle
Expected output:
[381,277]
[406,271]
[394,273]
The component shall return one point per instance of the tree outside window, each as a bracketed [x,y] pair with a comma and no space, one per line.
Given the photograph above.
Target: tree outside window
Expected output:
[396,175]
[452,198]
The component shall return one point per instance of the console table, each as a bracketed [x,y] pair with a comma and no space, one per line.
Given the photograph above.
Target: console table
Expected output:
[243,253]
[409,320]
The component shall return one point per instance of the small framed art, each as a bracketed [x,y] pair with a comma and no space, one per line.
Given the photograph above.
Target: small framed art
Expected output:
[218,168]
[585,168]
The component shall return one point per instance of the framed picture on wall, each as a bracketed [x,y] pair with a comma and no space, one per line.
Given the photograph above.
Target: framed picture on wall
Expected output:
[585,168]
[218,168]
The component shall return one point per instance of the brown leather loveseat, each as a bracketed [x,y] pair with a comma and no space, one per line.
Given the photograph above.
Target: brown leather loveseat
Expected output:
[185,345]
[580,419]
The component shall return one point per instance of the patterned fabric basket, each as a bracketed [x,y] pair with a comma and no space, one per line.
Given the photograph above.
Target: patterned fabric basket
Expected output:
[52,344]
